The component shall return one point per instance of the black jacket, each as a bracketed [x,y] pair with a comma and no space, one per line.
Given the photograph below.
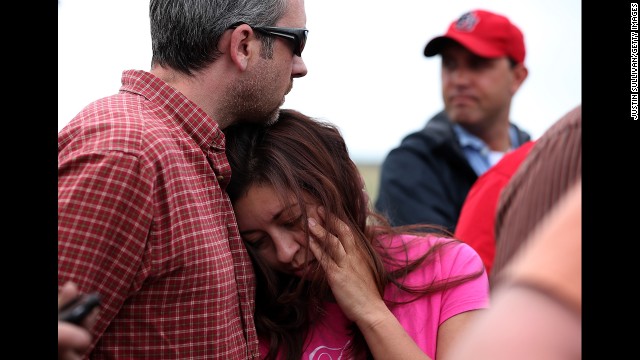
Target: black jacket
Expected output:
[426,178]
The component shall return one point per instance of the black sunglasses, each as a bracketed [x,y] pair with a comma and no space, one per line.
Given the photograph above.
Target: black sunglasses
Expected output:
[297,36]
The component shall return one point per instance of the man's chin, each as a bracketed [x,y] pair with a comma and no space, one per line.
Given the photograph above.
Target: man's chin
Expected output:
[273,118]
[264,117]
[460,115]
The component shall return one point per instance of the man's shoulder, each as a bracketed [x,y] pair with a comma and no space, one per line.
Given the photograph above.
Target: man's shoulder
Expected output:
[119,122]
[437,132]
[521,135]
[120,115]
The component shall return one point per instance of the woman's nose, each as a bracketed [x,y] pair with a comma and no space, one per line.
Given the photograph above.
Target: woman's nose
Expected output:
[286,248]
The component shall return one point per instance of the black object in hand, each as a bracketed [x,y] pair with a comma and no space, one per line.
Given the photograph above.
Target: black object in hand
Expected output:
[76,310]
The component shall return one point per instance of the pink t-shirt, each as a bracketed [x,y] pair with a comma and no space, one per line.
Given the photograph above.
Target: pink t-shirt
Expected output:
[420,318]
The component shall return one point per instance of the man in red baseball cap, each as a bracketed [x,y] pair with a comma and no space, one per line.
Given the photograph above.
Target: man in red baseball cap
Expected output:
[483,33]
[427,177]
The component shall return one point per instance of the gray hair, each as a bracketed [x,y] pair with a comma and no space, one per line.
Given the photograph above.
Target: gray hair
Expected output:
[185,33]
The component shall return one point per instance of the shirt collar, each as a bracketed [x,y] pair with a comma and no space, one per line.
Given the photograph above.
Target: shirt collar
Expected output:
[468,140]
[184,112]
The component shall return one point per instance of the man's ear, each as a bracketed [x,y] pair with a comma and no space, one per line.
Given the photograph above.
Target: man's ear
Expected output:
[240,45]
[520,73]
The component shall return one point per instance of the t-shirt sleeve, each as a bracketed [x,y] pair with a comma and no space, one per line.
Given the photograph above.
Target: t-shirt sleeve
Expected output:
[459,259]
[476,222]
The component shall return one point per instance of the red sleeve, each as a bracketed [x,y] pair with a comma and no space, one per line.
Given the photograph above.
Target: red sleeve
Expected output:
[476,224]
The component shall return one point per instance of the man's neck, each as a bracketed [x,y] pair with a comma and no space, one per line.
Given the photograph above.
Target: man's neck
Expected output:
[497,138]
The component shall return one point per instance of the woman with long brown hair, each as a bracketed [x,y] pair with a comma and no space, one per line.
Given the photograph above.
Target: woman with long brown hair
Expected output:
[334,280]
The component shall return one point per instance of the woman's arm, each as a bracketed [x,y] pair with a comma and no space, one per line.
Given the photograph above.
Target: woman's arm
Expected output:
[356,292]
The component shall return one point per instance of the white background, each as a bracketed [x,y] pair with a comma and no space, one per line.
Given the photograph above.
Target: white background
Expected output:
[367,71]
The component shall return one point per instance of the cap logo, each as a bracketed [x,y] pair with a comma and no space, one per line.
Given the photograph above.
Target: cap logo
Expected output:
[466,22]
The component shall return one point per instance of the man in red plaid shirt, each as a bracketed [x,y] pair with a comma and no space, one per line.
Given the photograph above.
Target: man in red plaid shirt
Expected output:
[143,217]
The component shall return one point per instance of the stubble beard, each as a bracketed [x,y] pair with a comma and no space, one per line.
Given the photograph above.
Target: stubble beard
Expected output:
[462,116]
[253,99]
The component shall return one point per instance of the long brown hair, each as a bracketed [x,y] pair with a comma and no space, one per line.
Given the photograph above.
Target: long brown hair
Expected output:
[307,156]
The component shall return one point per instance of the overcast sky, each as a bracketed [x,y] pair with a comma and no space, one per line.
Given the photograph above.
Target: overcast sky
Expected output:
[367,73]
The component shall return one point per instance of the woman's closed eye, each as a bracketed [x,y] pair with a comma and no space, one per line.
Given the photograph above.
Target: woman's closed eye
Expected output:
[258,242]
[293,223]
[261,240]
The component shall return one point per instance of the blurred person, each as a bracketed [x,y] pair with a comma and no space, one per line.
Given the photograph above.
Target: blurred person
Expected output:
[551,168]
[554,165]
[427,177]
[536,309]
[476,224]
[73,340]
[334,280]
[143,217]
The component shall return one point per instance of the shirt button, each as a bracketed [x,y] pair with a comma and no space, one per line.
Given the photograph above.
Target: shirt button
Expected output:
[220,177]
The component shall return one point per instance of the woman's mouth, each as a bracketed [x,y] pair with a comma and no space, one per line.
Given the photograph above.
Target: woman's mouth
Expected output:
[307,267]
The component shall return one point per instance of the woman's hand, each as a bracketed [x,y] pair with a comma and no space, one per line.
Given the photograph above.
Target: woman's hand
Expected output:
[354,288]
[348,272]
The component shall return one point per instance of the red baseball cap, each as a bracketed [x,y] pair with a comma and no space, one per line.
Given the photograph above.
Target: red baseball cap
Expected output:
[483,33]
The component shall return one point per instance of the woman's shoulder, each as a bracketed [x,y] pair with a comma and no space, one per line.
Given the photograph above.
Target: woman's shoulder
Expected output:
[421,242]
[447,251]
